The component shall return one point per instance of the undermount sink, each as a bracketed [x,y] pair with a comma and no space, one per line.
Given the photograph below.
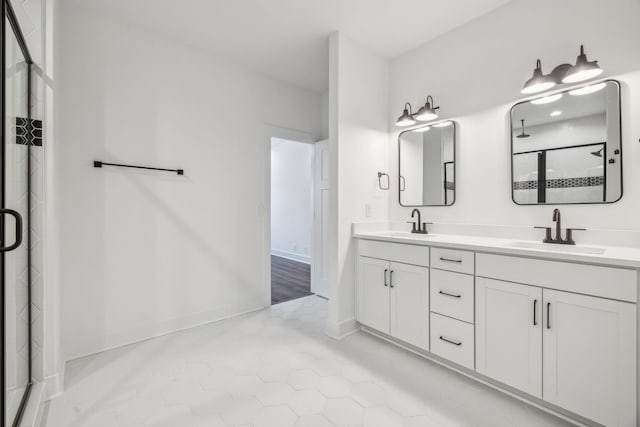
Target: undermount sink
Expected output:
[558,248]
[406,235]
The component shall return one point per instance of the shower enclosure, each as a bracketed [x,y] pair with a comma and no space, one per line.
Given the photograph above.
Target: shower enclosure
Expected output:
[17,131]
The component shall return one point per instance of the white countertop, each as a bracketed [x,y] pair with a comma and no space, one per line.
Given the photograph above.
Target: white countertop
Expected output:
[615,256]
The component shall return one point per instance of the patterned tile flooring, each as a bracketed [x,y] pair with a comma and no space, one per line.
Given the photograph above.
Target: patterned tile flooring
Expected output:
[275,368]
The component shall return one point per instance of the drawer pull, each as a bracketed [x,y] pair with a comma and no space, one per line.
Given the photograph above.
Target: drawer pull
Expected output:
[450,341]
[450,295]
[451,260]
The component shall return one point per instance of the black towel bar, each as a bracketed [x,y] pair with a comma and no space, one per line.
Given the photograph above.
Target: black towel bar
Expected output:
[99,164]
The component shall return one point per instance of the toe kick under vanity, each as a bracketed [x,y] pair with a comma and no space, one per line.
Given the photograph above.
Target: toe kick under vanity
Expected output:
[556,328]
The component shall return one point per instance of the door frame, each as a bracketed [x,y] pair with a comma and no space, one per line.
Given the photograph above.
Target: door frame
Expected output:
[273,131]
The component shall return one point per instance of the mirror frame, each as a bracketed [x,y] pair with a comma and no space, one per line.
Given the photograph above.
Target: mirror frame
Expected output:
[545,94]
[455,160]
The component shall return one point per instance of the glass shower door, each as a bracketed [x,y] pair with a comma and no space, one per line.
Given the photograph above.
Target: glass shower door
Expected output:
[577,174]
[14,259]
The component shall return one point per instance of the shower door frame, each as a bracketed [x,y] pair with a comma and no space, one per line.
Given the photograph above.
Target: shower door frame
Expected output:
[7,11]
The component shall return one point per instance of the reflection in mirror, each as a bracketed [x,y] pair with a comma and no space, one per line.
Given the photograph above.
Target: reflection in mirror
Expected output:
[566,147]
[427,165]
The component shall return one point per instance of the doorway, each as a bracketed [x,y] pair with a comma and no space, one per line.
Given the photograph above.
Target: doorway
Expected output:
[291,219]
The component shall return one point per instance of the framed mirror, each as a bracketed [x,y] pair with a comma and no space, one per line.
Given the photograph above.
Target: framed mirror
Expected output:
[427,165]
[566,147]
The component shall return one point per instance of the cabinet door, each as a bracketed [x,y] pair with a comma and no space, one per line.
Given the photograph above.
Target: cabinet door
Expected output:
[409,286]
[590,357]
[509,334]
[373,293]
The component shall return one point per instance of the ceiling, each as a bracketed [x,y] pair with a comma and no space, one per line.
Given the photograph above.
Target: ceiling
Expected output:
[287,39]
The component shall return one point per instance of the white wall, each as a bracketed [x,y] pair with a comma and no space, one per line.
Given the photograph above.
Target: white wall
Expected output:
[475,74]
[147,253]
[291,199]
[358,145]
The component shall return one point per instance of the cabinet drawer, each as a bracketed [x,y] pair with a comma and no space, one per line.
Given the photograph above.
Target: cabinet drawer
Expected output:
[452,294]
[452,260]
[453,340]
[408,254]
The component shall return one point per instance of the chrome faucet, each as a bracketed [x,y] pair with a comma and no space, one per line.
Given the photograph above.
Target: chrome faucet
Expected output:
[568,240]
[418,226]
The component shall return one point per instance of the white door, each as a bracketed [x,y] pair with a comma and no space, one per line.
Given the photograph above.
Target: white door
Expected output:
[409,286]
[590,357]
[320,259]
[509,334]
[373,292]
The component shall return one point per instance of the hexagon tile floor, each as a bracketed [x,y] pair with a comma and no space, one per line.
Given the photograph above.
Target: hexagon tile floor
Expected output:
[275,368]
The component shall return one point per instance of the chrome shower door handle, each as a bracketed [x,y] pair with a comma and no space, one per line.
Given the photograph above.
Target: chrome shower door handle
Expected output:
[18,219]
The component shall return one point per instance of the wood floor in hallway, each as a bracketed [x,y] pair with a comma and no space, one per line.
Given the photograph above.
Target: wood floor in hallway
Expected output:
[289,279]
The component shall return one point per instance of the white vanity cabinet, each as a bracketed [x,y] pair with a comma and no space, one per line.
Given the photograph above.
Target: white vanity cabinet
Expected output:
[574,351]
[452,296]
[393,297]
[409,289]
[561,333]
[509,334]
[373,302]
[589,356]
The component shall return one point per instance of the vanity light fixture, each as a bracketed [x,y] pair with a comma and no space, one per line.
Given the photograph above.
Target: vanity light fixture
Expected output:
[422,129]
[562,74]
[583,70]
[556,113]
[547,99]
[538,81]
[424,114]
[406,119]
[586,90]
[428,112]
[443,124]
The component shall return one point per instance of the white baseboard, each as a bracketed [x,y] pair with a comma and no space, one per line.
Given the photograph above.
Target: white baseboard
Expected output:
[162,328]
[342,329]
[54,384]
[291,255]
